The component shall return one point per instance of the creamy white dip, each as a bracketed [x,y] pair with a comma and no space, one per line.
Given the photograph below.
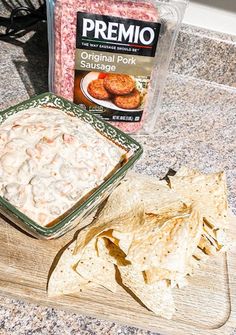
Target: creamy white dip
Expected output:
[49,160]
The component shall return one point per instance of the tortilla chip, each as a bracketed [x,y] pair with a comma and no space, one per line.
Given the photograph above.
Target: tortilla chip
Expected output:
[208,192]
[124,240]
[185,171]
[217,236]
[206,246]
[153,275]
[109,251]
[170,247]
[180,282]
[153,233]
[124,194]
[200,255]
[96,269]
[193,265]
[108,235]
[125,218]
[195,232]
[64,279]
[157,297]
[157,196]
[211,234]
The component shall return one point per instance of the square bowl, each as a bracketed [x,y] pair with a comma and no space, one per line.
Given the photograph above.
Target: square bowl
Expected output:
[88,204]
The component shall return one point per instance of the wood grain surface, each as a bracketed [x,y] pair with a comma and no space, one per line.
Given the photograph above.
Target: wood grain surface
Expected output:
[206,306]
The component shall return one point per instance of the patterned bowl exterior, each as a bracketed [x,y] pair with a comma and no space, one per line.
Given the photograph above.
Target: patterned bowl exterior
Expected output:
[93,201]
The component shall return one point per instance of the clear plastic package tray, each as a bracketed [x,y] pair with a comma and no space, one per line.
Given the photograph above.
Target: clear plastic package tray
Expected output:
[111,56]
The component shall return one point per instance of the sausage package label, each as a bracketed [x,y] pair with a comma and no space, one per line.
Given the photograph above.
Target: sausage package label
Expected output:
[113,64]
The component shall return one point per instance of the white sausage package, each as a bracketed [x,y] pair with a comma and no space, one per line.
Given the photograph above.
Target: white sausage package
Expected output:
[111,56]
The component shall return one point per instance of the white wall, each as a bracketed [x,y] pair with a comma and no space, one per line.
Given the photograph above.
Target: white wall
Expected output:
[218,15]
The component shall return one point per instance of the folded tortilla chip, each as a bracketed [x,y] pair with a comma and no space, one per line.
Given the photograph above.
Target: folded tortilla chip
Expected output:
[170,247]
[207,246]
[207,191]
[96,268]
[110,252]
[185,171]
[157,297]
[200,255]
[157,196]
[153,275]
[124,240]
[64,279]
[122,218]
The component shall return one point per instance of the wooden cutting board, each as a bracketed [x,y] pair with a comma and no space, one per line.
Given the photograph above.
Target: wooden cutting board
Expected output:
[206,306]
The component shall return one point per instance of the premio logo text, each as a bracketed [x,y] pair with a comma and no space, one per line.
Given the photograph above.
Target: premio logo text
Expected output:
[119,32]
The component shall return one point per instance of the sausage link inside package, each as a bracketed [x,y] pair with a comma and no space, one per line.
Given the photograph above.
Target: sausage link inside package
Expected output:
[111,56]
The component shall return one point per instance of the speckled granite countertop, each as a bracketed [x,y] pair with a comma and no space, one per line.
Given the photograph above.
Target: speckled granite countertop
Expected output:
[197,128]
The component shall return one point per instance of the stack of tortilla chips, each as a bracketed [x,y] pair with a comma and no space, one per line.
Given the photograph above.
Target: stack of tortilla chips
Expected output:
[150,233]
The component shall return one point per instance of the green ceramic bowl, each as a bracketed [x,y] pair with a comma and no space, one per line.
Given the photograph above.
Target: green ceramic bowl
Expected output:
[84,208]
